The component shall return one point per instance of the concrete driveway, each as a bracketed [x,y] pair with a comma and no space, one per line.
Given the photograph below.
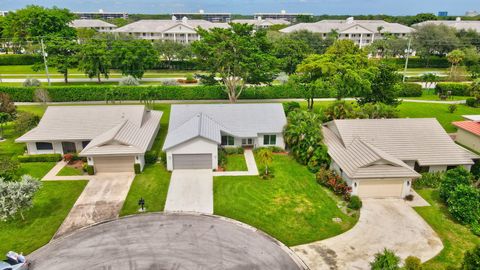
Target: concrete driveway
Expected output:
[383,223]
[190,191]
[102,199]
[166,241]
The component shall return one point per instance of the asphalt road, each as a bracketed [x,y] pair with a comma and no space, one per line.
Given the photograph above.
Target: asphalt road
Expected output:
[158,241]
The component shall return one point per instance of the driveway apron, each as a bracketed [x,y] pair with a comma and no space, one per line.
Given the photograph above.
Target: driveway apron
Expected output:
[190,191]
[383,223]
[101,200]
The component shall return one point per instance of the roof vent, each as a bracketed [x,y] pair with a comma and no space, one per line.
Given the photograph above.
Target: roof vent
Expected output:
[349,20]
[458,19]
[174,18]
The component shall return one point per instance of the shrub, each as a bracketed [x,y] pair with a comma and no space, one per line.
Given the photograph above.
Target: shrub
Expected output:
[151,157]
[320,158]
[234,150]
[222,157]
[274,149]
[386,260]
[189,78]
[31,82]
[90,170]
[331,180]
[464,204]
[26,121]
[377,111]
[413,263]
[163,158]
[40,158]
[290,106]
[452,108]
[409,90]
[19,59]
[136,168]
[471,259]
[128,81]
[428,180]
[451,179]
[170,83]
[8,168]
[409,197]
[355,203]
[421,62]
[68,157]
[267,176]
[475,228]
[472,102]
[456,89]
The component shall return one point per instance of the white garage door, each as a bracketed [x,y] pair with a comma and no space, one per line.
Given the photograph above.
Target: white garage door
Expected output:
[192,161]
[113,164]
[380,188]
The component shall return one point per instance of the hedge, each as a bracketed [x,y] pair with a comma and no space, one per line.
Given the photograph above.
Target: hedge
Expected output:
[40,158]
[19,59]
[457,89]
[409,90]
[98,93]
[417,62]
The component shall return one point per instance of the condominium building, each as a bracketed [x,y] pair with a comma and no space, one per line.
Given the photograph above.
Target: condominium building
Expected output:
[101,14]
[283,15]
[183,31]
[260,23]
[3,13]
[99,25]
[457,24]
[362,32]
[202,15]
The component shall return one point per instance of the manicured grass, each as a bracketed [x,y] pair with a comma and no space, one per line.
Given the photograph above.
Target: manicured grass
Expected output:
[50,207]
[8,147]
[152,186]
[69,171]
[236,163]
[291,207]
[35,169]
[456,238]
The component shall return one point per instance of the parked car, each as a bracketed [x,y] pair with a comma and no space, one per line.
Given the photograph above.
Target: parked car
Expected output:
[14,261]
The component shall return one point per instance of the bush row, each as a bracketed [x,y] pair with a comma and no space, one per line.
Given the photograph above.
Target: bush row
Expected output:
[40,158]
[99,93]
[409,90]
[417,62]
[19,59]
[457,89]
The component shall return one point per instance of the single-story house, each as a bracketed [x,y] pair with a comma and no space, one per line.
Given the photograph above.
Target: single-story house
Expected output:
[381,157]
[112,138]
[197,130]
[468,132]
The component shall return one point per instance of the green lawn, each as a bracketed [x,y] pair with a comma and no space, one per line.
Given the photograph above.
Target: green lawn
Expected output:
[36,169]
[151,185]
[70,171]
[435,97]
[456,238]
[236,163]
[291,207]
[51,205]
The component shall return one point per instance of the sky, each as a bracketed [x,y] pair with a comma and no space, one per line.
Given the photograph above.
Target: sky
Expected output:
[350,7]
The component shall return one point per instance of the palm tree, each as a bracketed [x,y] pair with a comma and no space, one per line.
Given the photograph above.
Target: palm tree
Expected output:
[455,57]
[265,157]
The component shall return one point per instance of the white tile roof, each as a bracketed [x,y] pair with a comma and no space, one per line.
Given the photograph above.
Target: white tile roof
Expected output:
[459,25]
[120,129]
[90,23]
[417,139]
[345,26]
[475,118]
[160,26]
[210,120]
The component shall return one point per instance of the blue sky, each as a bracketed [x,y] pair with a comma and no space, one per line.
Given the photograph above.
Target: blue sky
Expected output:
[393,7]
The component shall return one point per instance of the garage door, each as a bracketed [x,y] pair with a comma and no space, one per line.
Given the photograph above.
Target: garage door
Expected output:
[192,161]
[380,188]
[113,164]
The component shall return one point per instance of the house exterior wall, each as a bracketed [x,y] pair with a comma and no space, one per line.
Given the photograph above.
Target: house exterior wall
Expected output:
[140,159]
[468,139]
[195,146]
[437,168]
[279,141]
[57,147]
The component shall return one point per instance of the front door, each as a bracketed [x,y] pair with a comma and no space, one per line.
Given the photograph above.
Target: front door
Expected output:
[69,147]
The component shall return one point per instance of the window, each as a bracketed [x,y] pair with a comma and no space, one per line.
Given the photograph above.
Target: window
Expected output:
[228,140]
[247,141]
[269,139]
[44,146]
[85,143]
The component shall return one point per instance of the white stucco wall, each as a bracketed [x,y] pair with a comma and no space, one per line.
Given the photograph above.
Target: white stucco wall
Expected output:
[140,159]
[195,146]
[468,139]
[279,141]
[437,168]
[57,148]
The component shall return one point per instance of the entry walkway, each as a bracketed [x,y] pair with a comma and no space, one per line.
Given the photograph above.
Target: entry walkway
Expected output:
[251,166]
[190,191]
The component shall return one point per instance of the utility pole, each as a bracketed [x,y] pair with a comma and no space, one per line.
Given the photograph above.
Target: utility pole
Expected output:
[406,59]
[45,61]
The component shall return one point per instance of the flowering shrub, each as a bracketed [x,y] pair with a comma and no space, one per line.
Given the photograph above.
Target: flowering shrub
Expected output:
[68,157]
[334,182]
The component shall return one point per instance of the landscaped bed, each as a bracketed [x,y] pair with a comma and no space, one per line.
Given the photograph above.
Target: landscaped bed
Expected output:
[50,207]
[456,238]
[291,207]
